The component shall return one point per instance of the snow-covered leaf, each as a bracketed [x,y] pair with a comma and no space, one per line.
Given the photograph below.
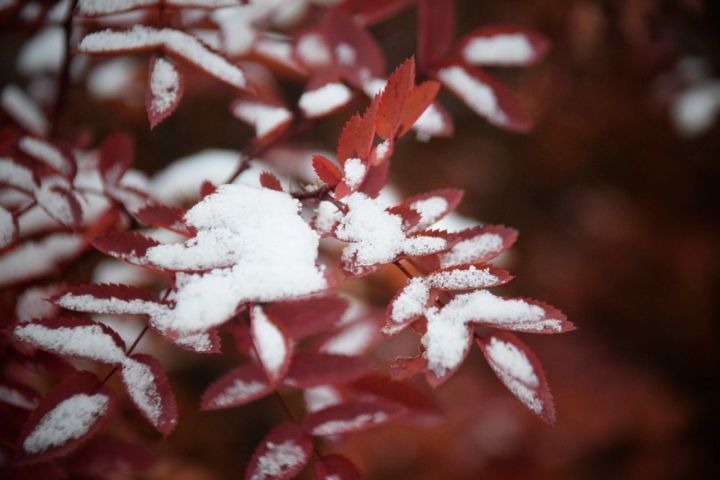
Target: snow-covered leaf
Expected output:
[336,467]
[281,455]
[520,370]
[313,369]
[106,298]
[8,228]
[422,211]
[351,417]
[467,277]
[23,110]
[149,389]
[239,386]
[55,156]
[477,245]
[74,337]
[18,395]
[273,347]
[268,119]
[68,416]
[57,198]
[503,45]
[37,258]
[485,96]
[126,246]
[324,100]
[164,90]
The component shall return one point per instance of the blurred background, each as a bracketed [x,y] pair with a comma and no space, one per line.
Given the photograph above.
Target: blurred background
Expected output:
[615,195]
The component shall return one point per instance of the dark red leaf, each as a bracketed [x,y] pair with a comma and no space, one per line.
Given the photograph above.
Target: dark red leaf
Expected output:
[326,170]
[419,403]
[18,395]
[163,216]
[313,369]
[436,31]
[268,180]
[357,136]
[351,417]
[308,316]
[281,455]
[53,154]
[164,89]
[475,245]
[60,202]
[148,387]
[104,454]
[336,467]
[420,98]
[392,100]
[117,153]
[128,247]
[421,211]
[375,179]
[239,386]
[207,188]
[74,411]
[404,368]
[520,370]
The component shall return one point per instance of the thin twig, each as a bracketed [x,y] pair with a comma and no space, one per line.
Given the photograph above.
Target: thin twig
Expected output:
[63,79]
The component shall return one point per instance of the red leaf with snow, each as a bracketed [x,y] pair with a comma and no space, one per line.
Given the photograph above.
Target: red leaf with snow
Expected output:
[336,467]
[392,100]
[18,395]
[419,403]
[408,305]
[467,277]
[164,89]
[281,455]
[503,45]
[351,417]
[73,297]
[520,370]
[521,315]
[268,180]
[57,198]
[77,337]
[307,316]
[422,211]
[375,179]
[273,347]
[322,98]
[69,415]
[313,369]
[149,389]
[354,338]
[369,12]
[326,170]
[268,119]
[436,31]
[8,228]
[419,100]
[103,454]
[435,121]
[239,386]
[207,188]
[52,154]
[128,247]
[163,216]
[485,96]
[476,245]
[116,153]
[206,342]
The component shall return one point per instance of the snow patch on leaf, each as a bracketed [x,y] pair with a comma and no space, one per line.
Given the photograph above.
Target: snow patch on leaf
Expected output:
[324,100]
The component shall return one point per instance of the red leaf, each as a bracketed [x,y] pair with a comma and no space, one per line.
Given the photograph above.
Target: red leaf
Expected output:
[53,154]
[206,342]
[357,136]
[117,153]
[422,211]
[408,305]
[503,45]
[281,455]
[326,170]
[307,316]
[420,98]
[77,337]
[207,188]
[164,89]
[369,12]
[105,454]
[314,369]
[18,395]
[404,368]
[69,415]
[149,389]
[336,467]
[436,31]
[324,94]
[467,277]
[273,347]
[128,247]
[351,417]
[520,370]
[375,179]
[268,118]
[353,338]
[417,401]
[392,100]
[57,198]
[8,228]
[476,245]
[163,216]
[485,96]
[543,319]
[435,121]
[239,386]
[268,180]
[104,298]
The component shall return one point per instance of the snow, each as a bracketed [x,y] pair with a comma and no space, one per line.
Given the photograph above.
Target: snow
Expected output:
[503,49]
[164,86]
[113,78]
[269,342]
[516,372]
[430,209]
[353,340]
[462,279]
[239,390]
[14,174]
[104,7]
[140,382]
[7,227]
[694,110]
[430,124]
[328,215]
[313,51]
[32,303]
[70,419]
[278,459]
[382,149]
[277,49]
[15,398]
[54,202]
[43,53]
[376,235]
[321,397]
[478,96]
[410,302]
[345,54]
[86,341]
[173,41]
[265,118]
[46,152]
[90,303]
[466,251]
[354,172]
[23,110]
[324,100]
[363,420]
[446,341]
[34,259]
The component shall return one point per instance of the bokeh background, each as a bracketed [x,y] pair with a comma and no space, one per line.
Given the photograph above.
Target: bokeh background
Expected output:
[615,195]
